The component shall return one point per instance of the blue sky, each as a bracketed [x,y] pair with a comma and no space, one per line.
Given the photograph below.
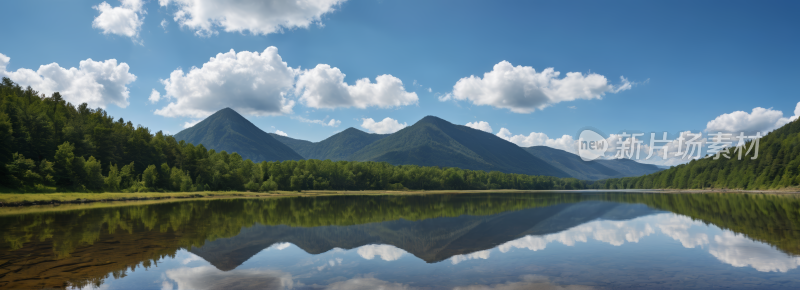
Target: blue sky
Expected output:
[687,63]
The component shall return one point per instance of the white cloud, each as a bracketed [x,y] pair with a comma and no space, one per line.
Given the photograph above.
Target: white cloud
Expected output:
[472,256]
[387,126]
[566,142]
[430,90]
[125,20]
[324,87]
[154,96]
[682,228]
[191,123]
[164,24]
[249,82]
[208,277]
[759,120]
[330,123]
[522,90]
[191,258]
[740,251]
[612,232]
[387,252]
[281,133]
[256,16]
[98,83]
[480,125]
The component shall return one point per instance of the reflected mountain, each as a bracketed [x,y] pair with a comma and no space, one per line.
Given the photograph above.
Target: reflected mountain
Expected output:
[431,240]
[78,248]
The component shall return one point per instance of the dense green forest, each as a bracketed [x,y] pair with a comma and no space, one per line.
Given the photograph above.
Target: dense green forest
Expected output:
[777,166]
[48,144]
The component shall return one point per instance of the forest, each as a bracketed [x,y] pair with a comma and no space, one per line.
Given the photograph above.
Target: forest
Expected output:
[49,145]
[776,166]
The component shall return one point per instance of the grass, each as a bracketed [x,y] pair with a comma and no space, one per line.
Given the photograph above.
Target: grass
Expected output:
[70,196]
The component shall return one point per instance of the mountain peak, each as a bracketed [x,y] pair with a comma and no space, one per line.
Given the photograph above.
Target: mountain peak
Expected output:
[227,130]
[433,120]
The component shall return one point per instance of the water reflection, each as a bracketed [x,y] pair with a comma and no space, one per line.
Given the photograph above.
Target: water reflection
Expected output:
[471,241]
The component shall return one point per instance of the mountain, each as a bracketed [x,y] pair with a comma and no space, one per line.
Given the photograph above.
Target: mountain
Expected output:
[572,164]
[627,167]
[228,131]
[432,240]
[770,163]
[337,147]
[436,142]
[590,170]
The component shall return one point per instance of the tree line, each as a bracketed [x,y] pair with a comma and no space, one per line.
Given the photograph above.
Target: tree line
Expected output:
[776,166]
[48,144]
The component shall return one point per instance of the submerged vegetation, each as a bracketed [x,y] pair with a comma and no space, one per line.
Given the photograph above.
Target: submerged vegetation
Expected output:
[48,145]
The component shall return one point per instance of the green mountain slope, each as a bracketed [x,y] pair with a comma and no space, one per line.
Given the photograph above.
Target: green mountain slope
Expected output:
[300,146]
[573,164]
[228,131]
[436,142]
[627,167]
[777,166]
[337,147]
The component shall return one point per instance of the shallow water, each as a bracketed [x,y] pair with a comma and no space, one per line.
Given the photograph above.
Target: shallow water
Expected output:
[465,241]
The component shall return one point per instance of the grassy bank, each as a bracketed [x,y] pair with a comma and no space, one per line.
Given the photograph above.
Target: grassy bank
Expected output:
[8,200]
[19,199]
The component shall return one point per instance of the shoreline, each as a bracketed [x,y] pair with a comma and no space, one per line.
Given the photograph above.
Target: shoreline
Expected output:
[15,200]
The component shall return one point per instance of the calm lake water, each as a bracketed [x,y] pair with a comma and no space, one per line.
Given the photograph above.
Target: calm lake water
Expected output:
[465,241]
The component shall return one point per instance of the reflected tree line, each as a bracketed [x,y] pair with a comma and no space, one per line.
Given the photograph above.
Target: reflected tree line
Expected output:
[141,235]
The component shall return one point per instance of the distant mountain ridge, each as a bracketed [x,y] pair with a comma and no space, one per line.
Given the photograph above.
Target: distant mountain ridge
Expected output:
[228,131]
[340,146]
[435,142]
[591,170]
[432,240]
[431,141]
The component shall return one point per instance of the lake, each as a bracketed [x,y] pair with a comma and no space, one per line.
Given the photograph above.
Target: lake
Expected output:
[564,240]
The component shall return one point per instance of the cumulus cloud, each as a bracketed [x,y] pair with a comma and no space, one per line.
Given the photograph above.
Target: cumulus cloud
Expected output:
[480,125]
[164,24]
[612,232]
[125,20]
[472,256]
[566,142]
[98,83]
[386,126]
[249,82]
[739,251]
[324,87]
[682,228]
[256,16]
[281,133]
[154,96]
[386,252]
[759,120]
[261,84]
[191,123]
[330,123]
[208,277]
[523,90]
